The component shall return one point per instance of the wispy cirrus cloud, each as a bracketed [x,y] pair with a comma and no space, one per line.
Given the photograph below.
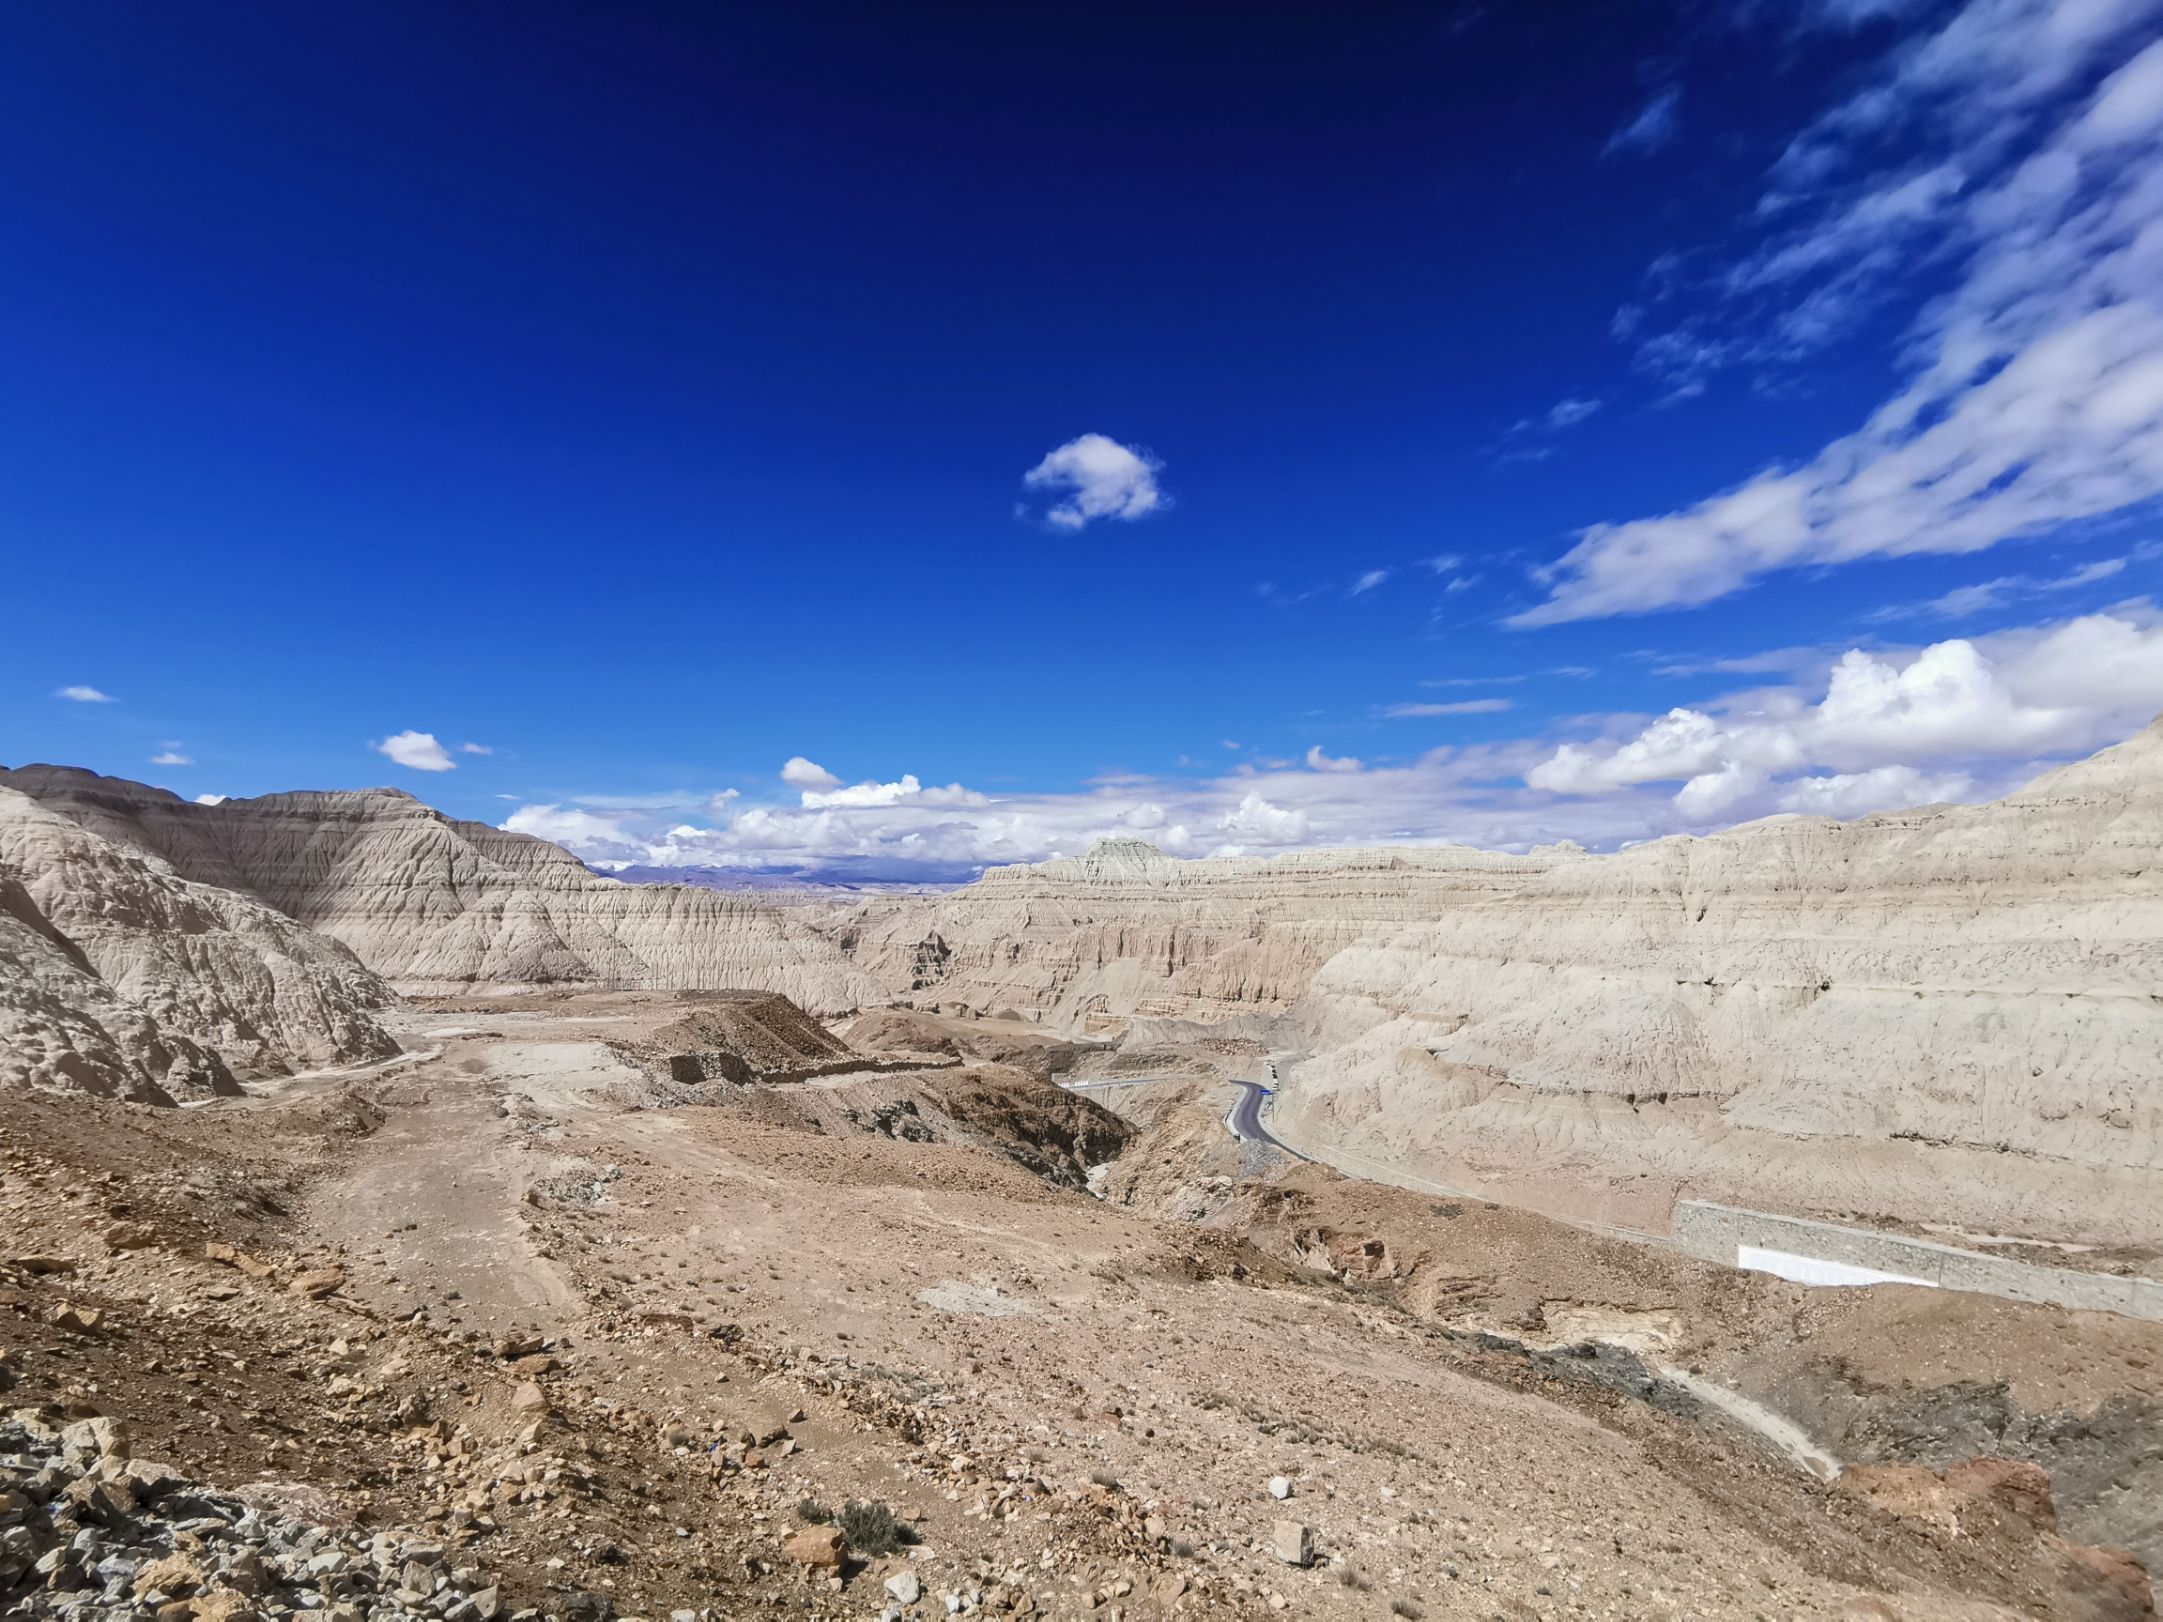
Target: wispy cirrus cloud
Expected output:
[1462,706]
[1654,125]
[2033,391]
[1989,596]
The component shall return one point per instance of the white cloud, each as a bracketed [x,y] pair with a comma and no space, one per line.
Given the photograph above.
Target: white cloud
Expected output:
[1568,413]
[2034,389]
[1825,732]
[212,799]
[418,751]
[86,695]
[1855,794]
[1653,126]
[1988,596]
[170,757]
[1254,821]
[2055,690]
[470,748]
[1463,706]
[1368,581]
[1710,794]
[798,772]
[580,831]
[1096,477]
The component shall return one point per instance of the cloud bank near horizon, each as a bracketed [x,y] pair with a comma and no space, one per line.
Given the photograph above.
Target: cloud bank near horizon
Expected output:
[1854,730]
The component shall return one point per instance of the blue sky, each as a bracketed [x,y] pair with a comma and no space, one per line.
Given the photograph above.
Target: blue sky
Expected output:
[1249,428]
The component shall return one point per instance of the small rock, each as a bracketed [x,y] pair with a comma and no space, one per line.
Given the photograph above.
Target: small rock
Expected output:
[819,1547]
[905,1587]
[234,1256]
[1279,1487]
[1292,1542]
[317,1284]
[100,1438]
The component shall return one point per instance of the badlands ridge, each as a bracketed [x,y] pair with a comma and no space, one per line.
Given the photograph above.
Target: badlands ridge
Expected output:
[1951,1011]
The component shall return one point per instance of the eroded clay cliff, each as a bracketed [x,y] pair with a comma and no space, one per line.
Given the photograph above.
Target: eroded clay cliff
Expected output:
[120,978]
[438,905]
[1952,1011]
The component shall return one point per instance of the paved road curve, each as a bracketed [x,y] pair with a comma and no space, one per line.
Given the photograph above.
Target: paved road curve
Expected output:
[1245,1119]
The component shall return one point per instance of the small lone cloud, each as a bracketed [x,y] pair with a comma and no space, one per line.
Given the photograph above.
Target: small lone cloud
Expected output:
[1656,125]
[1096,477]
[418,751]
[212,799]
[1320,762]
[85,695]
[475,749]
[798,772]
[170,757]
[1368,581]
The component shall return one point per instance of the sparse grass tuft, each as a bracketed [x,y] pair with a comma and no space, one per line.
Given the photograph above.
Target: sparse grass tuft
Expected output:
[810,1509]
[1406,1609]
[874,1529]
[1352,1577]
[1103,1478]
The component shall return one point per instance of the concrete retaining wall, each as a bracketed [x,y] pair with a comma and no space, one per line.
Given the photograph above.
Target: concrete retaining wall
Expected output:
[1722,1233]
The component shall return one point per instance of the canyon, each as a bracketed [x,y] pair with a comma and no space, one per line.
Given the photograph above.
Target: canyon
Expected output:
[611,1238]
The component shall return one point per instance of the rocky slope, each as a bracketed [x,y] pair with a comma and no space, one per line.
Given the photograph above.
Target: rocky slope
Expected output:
[120,978]
[437,905]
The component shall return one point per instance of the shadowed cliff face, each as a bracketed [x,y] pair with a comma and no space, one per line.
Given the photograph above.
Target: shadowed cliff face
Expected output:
[437,905]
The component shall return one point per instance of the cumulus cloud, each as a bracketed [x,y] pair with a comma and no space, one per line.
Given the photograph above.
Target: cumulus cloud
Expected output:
[905,790]
[1096,477]
[798,772]
[1827,732]
[170,757]
[585,832]
[2032,393]
[2063,689]
[1254,821]
[1855,794]
[85,695]
[211,799]
[1317,761]
[417,751]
